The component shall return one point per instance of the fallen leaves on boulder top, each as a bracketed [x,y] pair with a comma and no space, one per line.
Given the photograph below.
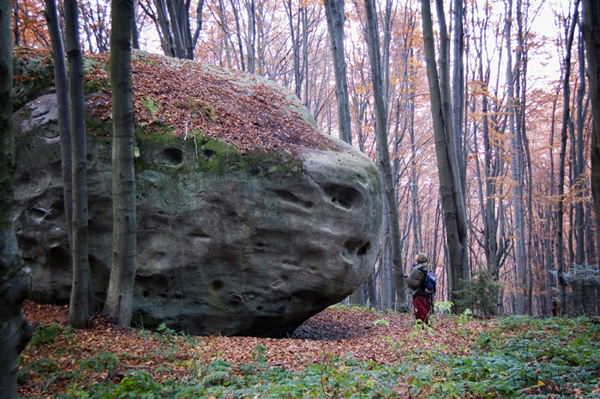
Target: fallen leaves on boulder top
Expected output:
[182,97]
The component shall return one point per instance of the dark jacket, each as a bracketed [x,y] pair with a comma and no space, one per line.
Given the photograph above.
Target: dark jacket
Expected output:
[416,279]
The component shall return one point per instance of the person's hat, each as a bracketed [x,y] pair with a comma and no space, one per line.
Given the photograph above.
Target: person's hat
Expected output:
[421,258]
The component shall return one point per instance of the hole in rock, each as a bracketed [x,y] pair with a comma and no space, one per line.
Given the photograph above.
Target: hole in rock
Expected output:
[58,258]
[145,294]
[173,156]
[208,153]
[38,214]
[24,177]
[343,196]
[292,198]
[357,248]
[364,249]
[217,285]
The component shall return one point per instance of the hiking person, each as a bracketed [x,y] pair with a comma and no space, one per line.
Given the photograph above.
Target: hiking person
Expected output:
[416,281]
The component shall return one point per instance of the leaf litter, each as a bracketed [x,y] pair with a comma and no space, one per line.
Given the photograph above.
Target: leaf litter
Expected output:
[344,332]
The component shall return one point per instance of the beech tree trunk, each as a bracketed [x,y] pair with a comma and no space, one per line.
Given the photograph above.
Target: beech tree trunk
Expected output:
[578,161]
[334,10]
[172,20]
[382,144]
[119,300]
[61,83]
[251,40]
[81,306]
[591,34]
[566,119]
[453,204]
[15,278]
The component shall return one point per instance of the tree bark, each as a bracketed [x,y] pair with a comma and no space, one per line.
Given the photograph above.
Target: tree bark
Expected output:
[251,42]
[119,300]
[454,216]
[334,10]
[173,22]
[61,83]
[382,144]
[516,162]
[566,118]
[15,278]
[578,161]
[81,306]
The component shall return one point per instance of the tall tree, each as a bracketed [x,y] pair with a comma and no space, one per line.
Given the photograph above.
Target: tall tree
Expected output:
[15,279]
[251,41]
[172,18]
[450,187]
[566,119]
[591,34]
[334,10]
[382,145]
[577,156]
[61,83]
[517,169]
[494,243]
[119,300]
[82,294]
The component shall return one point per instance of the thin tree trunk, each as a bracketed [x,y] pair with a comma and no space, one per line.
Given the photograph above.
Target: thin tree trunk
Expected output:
[334,10]
[295,39]
[251,41]
[238,35]
[560,268]
[119,300]
[134,30]
[591,33]
[454,216]
[16,24]
[15,278]
[578,159]
[516,169]
[61,83]
[168,42]
[382,143]
[81,306]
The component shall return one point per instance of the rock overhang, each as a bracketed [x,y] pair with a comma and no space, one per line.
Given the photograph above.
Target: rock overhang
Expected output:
[232,239]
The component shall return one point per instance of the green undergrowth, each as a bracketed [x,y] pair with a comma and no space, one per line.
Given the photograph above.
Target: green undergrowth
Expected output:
[516,358]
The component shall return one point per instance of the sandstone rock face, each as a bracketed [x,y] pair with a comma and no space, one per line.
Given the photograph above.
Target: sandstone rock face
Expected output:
[228,243]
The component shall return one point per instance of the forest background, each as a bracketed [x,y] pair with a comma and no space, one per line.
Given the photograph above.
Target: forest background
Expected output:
[522,140]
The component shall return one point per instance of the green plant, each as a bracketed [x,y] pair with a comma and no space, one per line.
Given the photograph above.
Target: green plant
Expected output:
[443,308]
[465,316]
[420,328]
[381,322]
[151,105]
[258,354]
[479,293]
[44,335]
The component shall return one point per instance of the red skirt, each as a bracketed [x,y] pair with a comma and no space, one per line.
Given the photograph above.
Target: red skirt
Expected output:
[422,308]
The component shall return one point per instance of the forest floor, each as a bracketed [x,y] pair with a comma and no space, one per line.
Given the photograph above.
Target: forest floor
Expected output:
[340,343]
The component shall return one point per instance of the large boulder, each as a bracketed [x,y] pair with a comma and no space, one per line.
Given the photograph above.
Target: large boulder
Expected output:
[250,221]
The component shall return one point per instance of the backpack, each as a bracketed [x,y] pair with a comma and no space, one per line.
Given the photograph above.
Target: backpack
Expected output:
[430,284]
